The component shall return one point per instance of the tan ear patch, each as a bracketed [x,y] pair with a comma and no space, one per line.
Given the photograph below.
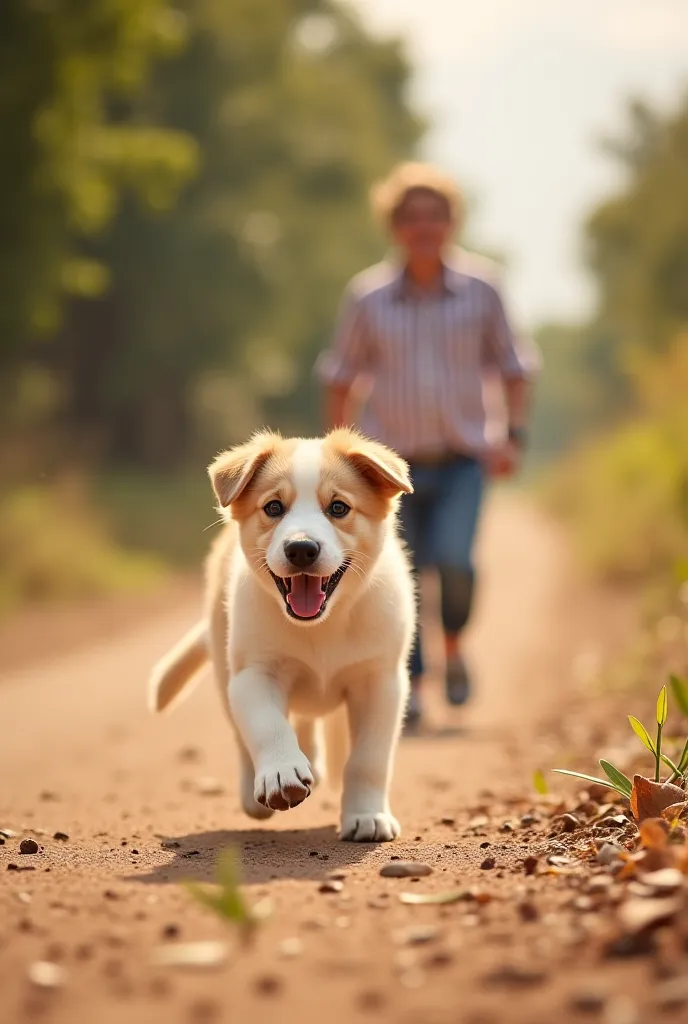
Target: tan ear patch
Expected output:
[382,468]
[233,470]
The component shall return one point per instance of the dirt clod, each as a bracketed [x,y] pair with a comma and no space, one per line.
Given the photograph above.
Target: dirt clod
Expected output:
[330,886]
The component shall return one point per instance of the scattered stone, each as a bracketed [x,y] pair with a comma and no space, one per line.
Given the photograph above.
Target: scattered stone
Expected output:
[479,821]
[24,897]
[591,999]
[506,826]
[556,860]
[7,833]
[171,931]
[290,948]
[608,853]
[568,822]
[44,974]
[528,911]
[61,836]
[208,786]
[189,754]
[48,796]
[28,846]
[370,1001]
[529,820]
[13,867]
[488,864]
[600,883]
[269,985]
[447,821]
[170,844]
[621,1010]
[405,869]
[330,886]
[530,865]
[515,976]
[110,894]
[338,875]
[672,994]
[417,935]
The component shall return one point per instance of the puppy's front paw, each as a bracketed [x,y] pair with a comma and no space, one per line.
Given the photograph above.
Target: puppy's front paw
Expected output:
[282,786]
[369,828]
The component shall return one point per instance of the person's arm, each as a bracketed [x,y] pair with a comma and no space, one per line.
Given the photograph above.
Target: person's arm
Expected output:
[342,368]
[518,364]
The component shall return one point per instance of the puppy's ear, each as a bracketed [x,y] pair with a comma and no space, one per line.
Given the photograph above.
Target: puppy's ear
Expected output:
[233,470]
[381,467]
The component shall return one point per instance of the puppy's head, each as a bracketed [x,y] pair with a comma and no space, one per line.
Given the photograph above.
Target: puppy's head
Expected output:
[313,515]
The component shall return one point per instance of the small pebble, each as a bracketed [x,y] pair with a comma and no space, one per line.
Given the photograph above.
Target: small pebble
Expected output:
[330,886]
[588,1000]
[268,985]
[530,865]
[405,869]
[62,836]
[171,931]
[488,864]
[28,846]
[44,974]
[337,876]
[447,821]
[528,911]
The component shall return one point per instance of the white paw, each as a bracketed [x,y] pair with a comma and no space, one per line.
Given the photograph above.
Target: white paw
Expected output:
[369,828]
[249,802]
[281,786]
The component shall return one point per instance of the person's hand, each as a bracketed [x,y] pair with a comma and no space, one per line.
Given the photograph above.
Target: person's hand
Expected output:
[504,460]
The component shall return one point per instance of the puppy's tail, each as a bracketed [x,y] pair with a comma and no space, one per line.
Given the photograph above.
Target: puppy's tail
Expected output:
[178,668]
[337,743]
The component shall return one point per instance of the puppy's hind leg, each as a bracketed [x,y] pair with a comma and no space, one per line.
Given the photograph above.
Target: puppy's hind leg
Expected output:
[309,733]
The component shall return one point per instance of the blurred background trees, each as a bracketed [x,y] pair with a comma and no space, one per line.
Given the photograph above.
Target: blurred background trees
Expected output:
[183,194]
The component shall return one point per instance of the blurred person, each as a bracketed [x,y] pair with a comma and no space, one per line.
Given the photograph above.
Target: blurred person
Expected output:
[417,340]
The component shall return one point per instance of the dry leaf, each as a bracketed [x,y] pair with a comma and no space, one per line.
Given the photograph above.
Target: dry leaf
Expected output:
[191,954]
[654,833]
[674,812]
[418,898]
[648,799]
[642,915]
[662,882]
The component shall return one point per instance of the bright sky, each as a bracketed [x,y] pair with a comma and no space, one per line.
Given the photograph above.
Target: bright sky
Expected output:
[519,91]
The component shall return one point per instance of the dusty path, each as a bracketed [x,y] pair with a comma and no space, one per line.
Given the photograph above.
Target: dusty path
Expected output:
[79,754]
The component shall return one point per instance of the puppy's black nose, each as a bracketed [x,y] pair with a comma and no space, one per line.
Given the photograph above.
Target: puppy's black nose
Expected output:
[302,551]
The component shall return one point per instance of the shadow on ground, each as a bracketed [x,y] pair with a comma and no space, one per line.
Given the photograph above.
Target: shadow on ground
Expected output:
[265,856]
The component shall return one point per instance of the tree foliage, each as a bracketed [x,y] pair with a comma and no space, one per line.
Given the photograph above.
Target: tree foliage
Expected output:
[195,182]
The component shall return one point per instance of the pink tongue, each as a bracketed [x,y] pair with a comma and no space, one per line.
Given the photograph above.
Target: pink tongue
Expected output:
[306,596]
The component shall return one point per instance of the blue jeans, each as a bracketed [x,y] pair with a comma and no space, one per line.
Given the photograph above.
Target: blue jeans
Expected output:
[439,523]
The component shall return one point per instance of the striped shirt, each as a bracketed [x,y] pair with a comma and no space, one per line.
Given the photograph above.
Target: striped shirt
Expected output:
[427,358]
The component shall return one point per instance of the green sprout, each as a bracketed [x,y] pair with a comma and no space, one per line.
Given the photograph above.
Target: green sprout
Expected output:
[226,898]
[620,783]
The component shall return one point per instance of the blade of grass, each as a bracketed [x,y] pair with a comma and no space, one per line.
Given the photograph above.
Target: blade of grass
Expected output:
[539,782]
[662,706]
[679,688]
[586,778]
[620,782]
[683,759]
[642,733]
[677,774]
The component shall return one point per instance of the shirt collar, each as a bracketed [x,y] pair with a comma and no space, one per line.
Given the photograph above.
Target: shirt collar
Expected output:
[452,281]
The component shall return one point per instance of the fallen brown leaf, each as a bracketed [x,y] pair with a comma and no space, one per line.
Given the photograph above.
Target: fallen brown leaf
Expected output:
[642,915]
[648,799]
[654,833]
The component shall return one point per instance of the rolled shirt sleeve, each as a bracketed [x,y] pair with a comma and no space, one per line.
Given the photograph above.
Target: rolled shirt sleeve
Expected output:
[512,356]
[350,355]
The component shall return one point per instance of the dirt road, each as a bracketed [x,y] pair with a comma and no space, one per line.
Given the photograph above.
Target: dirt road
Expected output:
[136,797]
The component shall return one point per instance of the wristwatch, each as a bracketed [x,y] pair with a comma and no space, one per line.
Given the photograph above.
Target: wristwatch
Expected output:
[519,436]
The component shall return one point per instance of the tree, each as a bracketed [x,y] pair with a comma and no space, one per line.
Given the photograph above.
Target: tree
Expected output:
[219,306]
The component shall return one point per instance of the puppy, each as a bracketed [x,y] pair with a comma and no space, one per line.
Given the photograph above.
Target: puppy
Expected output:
[310,613]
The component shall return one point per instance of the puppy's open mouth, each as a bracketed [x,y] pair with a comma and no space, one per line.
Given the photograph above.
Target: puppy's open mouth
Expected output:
[306,597]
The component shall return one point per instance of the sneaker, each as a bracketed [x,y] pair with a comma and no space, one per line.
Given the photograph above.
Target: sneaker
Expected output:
[413,710]
[457,682]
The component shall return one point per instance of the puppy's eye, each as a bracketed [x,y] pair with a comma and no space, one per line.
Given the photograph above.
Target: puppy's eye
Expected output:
[274,509]
[338,509]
